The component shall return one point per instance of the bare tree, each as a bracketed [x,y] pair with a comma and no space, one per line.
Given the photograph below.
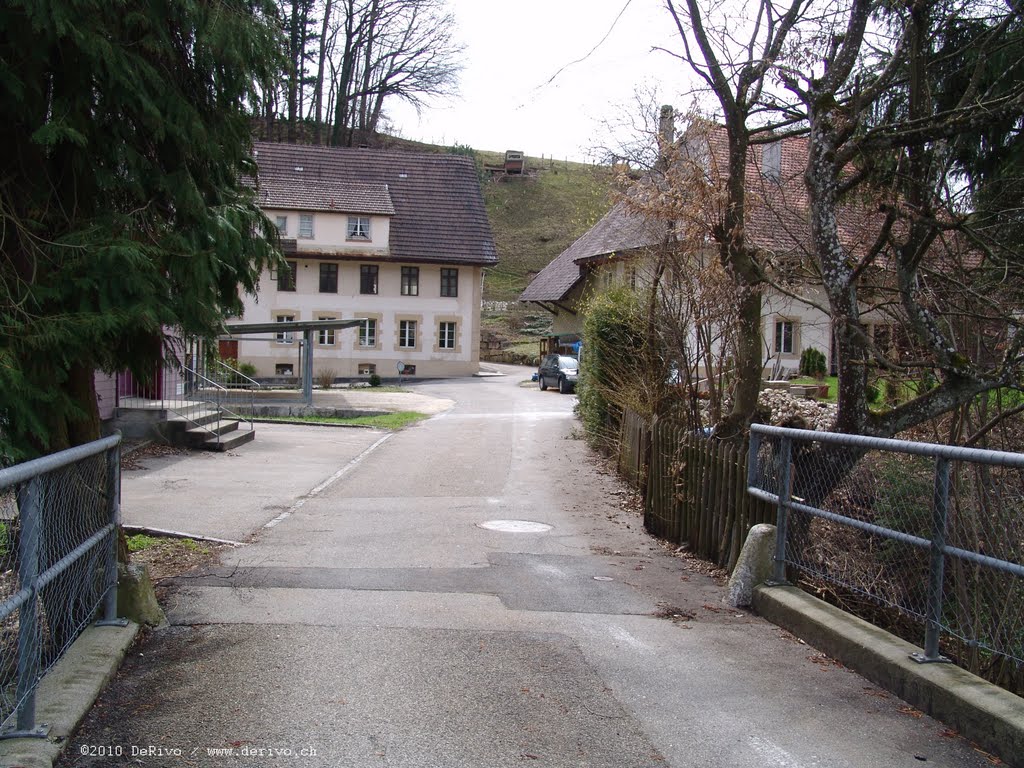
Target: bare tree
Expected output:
[735,73]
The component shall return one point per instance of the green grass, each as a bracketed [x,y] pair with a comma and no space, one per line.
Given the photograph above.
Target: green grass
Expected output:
[391,421]
[141,541]
[536,217]
[832,381]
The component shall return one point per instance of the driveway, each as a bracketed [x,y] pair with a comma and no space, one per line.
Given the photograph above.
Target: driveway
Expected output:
[386,622]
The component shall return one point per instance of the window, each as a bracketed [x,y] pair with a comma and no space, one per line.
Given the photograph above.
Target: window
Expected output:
[325,336]
[368,333]
[328,278]
[368,278]
[284,337]
[367,369]
[785,333]
[286,277]
[306,225]
[410,281]
[282,225]
[446,335]
[358,228]
[771,161]
[284,369]
[407,334]
[449,282]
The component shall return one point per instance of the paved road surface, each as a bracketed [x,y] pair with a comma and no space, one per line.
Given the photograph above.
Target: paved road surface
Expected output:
[377,624]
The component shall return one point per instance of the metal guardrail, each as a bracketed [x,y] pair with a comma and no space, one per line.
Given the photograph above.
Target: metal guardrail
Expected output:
[935,532]
[58,566]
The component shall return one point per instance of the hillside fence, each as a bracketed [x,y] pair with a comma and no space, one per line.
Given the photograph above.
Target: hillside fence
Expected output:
[694,488]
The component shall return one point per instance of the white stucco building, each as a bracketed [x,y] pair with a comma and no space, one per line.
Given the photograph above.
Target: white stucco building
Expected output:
[396,239]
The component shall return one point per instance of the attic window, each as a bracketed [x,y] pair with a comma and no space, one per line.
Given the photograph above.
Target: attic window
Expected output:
[299,168]
[403,175]
[358,227]
[771,161]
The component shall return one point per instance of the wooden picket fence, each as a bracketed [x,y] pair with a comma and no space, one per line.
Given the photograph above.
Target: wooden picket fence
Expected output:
[694,487]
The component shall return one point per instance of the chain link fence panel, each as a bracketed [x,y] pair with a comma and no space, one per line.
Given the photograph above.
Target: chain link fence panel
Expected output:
[925,541]
[58,570]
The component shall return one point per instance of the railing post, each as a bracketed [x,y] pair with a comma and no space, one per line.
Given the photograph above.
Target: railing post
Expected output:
[113,457]
[783,478]
[936,564]
[29,512]
[753,449]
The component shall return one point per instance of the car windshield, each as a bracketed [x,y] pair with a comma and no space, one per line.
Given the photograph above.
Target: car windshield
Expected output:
[568,362]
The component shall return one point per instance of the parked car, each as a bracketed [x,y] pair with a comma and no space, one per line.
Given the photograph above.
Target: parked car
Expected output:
[558,371]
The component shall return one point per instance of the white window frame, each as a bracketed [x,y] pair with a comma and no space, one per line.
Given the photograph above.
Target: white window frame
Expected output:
[281,222]
[306,226]
[325,337]
[447,333]
[407,334]
[358,228]
[781,337]
[284,337]
[368,333]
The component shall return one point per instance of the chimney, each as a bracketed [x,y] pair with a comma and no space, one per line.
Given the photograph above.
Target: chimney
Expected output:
[667,125]
[666,133]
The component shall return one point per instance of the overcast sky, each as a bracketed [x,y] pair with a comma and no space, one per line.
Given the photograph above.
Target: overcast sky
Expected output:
[514,47]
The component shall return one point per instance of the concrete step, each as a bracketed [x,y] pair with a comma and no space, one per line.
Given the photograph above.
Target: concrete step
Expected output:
[196,436]
[235,439]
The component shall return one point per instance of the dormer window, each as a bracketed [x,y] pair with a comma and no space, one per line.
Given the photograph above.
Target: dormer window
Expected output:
[358,227]
[771,161]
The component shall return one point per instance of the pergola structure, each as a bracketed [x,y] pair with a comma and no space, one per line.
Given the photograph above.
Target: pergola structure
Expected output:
[306,327]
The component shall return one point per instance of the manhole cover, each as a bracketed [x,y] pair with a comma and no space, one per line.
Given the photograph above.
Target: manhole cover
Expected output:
[515,526]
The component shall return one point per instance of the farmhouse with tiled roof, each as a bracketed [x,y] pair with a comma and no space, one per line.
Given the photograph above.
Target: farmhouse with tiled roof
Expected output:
[397,240]
[777,226]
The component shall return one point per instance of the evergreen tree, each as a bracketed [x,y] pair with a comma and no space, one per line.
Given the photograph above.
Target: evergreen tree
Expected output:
[124,207]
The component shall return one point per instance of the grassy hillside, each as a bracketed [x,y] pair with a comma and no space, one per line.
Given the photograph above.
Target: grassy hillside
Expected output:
[538,215]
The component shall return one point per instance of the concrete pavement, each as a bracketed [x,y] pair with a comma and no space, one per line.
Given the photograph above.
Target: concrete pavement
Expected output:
[379,625]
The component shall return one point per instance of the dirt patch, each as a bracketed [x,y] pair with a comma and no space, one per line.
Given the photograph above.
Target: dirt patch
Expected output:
[168,558]
[133,458]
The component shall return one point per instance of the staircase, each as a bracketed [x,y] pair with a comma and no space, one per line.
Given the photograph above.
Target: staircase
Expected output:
[205,412]
[208,430]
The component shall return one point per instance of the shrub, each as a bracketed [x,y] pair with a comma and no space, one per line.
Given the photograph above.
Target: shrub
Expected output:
[325,378]
[610,372]
[247,369]
[812,363]
[374,380]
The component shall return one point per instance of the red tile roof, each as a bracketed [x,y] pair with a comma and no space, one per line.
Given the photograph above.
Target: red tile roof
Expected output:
[436,208]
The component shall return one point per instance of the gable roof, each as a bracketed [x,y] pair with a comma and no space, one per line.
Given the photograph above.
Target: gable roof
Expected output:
[616,232]
[436,208]
[777,213]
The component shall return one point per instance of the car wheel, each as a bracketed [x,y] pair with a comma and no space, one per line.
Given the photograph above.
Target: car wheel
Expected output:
[543,383]
[564,386]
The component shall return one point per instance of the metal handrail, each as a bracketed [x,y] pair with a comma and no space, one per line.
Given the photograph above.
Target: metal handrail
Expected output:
[255,385]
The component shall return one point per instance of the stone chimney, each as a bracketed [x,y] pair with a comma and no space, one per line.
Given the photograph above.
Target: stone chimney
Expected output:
[666,132]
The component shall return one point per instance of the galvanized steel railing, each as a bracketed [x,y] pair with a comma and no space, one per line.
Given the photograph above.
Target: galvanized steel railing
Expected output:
[933,531]
[58,566]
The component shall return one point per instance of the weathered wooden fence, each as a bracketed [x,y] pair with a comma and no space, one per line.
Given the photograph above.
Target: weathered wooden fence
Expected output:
[694,487]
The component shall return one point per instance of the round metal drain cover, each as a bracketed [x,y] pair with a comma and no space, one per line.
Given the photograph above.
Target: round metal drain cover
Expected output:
[515,526]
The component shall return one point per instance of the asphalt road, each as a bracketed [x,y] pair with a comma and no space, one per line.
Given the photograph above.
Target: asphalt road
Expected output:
[376,623]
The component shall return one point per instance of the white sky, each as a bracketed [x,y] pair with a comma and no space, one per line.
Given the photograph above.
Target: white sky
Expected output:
[513,47]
